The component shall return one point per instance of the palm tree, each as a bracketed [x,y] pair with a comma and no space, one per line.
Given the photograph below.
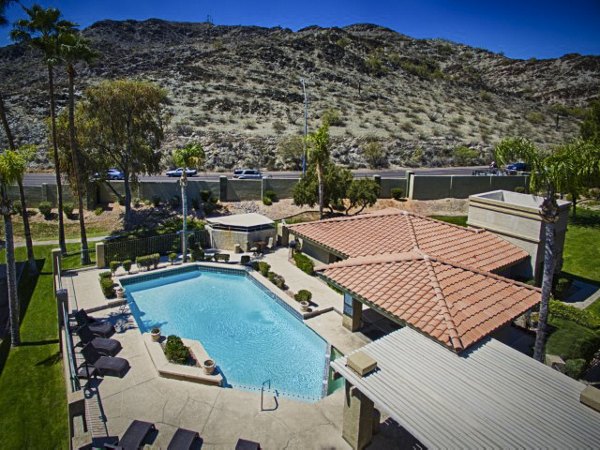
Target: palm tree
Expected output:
[74,48]
[190,156]
[318,154]
[41,31]
[12,167]
[543,178]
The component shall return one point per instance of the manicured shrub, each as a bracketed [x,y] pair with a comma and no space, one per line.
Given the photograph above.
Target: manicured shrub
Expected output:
[264,268]
[175,202]
[172,257]
[221,257]
[254,265]
[127,265]
[575,368]
[303,295]
[155,258]
[304,263]
[107,286]
[99,210]
[68,208]
[245,259]
[148,261]
[45,209]
[397,193]
[520,189]
[272,195]
[582,317]
[267,201]
[114,265]
[176,351]
[156,201]
[16,207]
[276,279]
[197,254]
[106,274]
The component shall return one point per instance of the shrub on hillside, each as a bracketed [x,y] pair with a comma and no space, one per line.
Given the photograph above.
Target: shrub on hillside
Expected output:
[332,117]
[176,351]
[304,263]
[45,209]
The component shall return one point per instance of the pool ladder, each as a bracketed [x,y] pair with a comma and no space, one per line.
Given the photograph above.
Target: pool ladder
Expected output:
[262,396]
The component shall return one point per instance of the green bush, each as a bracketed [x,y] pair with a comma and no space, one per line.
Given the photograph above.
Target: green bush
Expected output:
[520,189]
[276,279]
[197,254]
[45,209]
[304,263]
[156,201]
[205,195]
[114,265]
[172,257]
[272,195]
[332,117]
[99,210]
[68,208]
[264,268]
[582,317]
[16,207]
[147,261]
[245,259]
[594,193]
[575,368]
[562,286]
[106,274]
[176,351]
[175,202]
[254,265]
[267,201]
[107,286]
[397,193]
[127,265]
[303,295]
[221,257]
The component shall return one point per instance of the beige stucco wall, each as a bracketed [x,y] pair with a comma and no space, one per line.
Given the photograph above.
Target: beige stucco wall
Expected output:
[226,240]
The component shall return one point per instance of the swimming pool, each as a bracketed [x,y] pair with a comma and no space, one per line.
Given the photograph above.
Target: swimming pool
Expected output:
[242,325]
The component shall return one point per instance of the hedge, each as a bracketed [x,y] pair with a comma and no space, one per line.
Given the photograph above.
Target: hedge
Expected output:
[397,193]
[176,351]
[303,295]
[148,261]
[575,368]
[579,316]
[107,286]
[264,268]
[304,263]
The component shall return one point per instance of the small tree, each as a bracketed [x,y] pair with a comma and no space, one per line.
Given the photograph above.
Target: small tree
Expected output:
[318,155]
[123,121]
[190,156]
[336,181]
[374,154]
[362,193]
[291,151]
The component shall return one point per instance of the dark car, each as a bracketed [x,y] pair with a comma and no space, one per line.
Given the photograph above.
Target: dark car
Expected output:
[513,168]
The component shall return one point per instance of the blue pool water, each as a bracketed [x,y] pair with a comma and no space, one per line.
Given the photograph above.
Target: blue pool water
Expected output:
[251,337]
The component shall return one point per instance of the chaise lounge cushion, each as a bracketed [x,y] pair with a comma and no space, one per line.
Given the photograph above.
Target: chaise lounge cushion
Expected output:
[134,436]
[106,365]
[97,327]
[107,347]
[182,439]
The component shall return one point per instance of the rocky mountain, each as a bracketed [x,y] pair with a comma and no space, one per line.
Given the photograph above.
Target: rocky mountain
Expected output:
[237,90]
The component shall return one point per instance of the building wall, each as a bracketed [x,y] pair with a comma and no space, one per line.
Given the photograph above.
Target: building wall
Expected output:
[226,239]
[433,187]
[317,252]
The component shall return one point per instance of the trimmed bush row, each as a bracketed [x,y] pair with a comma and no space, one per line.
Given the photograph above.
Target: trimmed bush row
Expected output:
[397,193]
[579,316]
[276,279]
[106,284]
[304,263]
[148,261]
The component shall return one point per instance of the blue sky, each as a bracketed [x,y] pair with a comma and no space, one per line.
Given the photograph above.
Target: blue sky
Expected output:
[520,29]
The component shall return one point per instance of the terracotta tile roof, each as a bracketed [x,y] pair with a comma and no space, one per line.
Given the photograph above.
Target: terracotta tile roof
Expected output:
[452,303]
[392,231]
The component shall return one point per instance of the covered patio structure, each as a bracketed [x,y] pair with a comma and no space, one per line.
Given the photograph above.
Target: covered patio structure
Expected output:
[244,230]
[490,396]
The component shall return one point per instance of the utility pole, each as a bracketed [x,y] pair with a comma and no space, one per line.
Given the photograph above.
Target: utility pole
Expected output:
[305,125]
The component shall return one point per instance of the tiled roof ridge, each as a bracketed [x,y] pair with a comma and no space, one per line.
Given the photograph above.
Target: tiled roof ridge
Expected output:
[372,259]
[413,233]
[444,308]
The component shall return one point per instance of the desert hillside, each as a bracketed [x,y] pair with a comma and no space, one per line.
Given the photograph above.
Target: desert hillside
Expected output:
[237,90]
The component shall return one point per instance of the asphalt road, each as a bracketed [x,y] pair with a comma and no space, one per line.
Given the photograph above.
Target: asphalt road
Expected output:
[37,179]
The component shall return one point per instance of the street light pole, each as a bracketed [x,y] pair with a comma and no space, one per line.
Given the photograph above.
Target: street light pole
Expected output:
[305,125]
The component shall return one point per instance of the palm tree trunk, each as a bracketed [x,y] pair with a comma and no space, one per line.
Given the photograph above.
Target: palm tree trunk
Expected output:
[540,337]
[24,216]
[85,257]
[574,201]
[59,194]
[184,241]
[320,180]
[127,188]
[11,277]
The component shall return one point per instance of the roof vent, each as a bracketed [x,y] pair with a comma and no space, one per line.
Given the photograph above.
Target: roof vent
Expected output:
[361,363]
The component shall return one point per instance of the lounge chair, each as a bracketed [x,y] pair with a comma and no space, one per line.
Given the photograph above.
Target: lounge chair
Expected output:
[97,327]
[270,244]
[134,436]
[182,439]
[106,347]
[105,365]
[243,444]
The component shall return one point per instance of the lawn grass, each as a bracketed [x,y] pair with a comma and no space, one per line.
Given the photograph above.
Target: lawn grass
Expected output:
[566,338]
[33,397]
[456,220]
[48,230]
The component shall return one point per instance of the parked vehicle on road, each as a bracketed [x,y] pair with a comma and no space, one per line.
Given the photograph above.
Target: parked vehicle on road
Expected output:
[513,168]
[247,174]
[111,174]
[177,172]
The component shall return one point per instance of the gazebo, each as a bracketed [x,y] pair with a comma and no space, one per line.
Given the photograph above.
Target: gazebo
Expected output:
[242,229]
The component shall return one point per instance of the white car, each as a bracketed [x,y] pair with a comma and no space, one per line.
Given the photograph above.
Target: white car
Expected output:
[177,172]
[247,174]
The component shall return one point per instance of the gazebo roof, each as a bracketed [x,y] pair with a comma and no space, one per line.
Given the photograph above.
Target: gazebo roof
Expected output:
[250,220]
